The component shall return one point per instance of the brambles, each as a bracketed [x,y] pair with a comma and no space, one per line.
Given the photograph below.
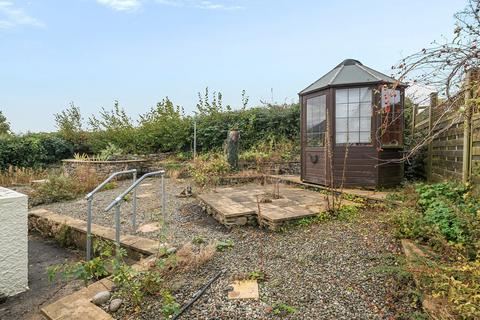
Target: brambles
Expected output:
[170,305]
[225,245]
[445,216]
[257,275]
[283,309]
[198,240]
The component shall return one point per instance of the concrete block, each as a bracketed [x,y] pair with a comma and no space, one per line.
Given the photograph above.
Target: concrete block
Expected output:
[13,242]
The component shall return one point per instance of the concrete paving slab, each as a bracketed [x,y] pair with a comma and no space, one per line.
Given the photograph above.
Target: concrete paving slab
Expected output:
[245,289]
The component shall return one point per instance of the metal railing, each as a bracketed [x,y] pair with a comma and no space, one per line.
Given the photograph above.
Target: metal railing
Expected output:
[89,198]
[118,201]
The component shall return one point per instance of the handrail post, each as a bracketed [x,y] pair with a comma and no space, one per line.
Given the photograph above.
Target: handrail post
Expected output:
[164,210]
[89,229]
[117,202]
[89,198]
[134,213]
[117,230]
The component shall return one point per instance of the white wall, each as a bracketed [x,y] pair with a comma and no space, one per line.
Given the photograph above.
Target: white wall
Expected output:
[13,242]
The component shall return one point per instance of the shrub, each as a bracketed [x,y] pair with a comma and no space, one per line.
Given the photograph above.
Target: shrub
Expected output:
[60,187]
[164,128]
[111,151]
[208,169]
[445,217]
[272,149]
[112,126]
[255,125]
[33,150]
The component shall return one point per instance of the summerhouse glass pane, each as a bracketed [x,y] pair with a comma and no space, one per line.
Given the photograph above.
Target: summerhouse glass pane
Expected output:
[341,137]
[353,113]
[365,95]
[341,124]
[353,125]
[365,137]
[390,97]
[353,110]
[316,120]
[342,110]
[365,124]
[353,137]
[354,95]
[341,95]
[366,109]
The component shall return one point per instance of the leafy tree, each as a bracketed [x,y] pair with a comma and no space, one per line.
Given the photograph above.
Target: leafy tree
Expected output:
[4,125]
[69,123]
[164,128]
[213,105]
[113,126]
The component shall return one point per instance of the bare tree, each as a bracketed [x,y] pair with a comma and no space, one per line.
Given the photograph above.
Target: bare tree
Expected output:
[445,63]
[443,66]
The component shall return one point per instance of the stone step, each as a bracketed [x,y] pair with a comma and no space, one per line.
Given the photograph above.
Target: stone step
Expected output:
[226,206]
[77,306]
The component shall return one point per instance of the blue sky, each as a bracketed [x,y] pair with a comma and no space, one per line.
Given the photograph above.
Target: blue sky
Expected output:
[92,52]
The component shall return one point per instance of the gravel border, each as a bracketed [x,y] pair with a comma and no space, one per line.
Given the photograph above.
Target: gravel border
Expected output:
[324,271]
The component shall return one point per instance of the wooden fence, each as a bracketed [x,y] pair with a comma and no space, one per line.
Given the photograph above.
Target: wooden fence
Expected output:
[453,151]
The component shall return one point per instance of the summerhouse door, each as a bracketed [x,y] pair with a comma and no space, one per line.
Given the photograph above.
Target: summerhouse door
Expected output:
[314,128]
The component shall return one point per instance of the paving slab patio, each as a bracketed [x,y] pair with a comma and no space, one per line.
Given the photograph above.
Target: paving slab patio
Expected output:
[241,204]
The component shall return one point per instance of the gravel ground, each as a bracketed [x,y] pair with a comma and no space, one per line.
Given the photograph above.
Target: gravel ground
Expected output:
[324,271]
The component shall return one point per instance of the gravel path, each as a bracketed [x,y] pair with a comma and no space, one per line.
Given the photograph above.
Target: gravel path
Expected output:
[324,271]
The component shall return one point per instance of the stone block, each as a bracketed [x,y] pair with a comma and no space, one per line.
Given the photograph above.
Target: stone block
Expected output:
[13,242]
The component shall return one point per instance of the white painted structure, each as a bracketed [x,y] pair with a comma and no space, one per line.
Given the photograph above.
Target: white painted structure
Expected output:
[13,242]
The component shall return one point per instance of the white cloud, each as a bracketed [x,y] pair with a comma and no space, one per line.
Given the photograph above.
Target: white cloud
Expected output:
[132,5]
[203,4]
[12,16]
[122,5]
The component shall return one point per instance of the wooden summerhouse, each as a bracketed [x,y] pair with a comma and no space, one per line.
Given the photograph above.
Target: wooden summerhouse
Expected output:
[352,128]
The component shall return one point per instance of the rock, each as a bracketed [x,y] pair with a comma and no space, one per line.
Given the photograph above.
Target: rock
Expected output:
[101,298]
[115,305]
[171,250]
[228,288]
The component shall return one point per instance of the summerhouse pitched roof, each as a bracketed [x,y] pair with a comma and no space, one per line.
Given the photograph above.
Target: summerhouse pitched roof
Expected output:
[350,71]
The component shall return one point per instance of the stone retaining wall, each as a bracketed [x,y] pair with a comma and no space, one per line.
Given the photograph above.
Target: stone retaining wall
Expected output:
[287,167]
[155,162]
[106,168]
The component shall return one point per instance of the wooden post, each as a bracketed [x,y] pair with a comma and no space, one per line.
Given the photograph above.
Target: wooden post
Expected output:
[433,104]
[232,149]
[467,131]
[414,118]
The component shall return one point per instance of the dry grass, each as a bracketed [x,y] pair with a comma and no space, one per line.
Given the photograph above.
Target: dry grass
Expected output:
[174,174]
[86,179]
[15,176]
[188,258]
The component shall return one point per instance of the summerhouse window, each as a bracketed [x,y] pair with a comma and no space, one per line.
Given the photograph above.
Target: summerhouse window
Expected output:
[391,115]
[316,121]
[353,116]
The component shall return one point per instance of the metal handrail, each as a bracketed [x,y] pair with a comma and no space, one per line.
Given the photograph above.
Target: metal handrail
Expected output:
[117,202]
[113,175]
[89,198]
